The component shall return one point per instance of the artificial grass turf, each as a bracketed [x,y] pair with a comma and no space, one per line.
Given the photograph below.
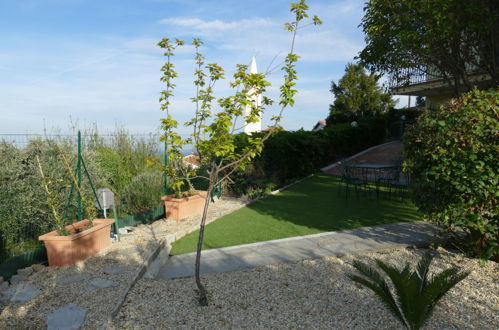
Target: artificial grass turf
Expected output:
[317,204]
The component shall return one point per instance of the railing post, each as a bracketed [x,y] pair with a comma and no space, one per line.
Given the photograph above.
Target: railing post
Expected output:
[165,174]
[78,174]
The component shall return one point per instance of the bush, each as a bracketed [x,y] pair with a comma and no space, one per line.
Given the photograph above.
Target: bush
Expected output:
[143,192]
[396,114]
[452,155]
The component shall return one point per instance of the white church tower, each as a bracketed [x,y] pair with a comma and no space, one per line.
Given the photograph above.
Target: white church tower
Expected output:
[257,99]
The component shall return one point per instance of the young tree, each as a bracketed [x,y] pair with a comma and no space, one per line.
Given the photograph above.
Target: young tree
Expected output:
[358,94]
[447,39]
[213,133]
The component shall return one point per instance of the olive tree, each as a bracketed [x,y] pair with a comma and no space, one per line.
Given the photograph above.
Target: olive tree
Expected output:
[213,133]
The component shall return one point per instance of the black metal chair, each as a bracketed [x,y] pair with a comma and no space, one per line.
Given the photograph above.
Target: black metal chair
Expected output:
[353,177]
[387,178]
[395,181]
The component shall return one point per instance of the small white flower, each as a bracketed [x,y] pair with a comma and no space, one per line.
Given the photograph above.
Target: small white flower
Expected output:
[402,117]
[354,124]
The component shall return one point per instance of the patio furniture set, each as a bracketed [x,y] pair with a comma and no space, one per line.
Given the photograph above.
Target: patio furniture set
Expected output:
[382,179]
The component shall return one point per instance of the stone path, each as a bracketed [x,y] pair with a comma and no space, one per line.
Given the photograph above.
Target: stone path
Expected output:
[354,241]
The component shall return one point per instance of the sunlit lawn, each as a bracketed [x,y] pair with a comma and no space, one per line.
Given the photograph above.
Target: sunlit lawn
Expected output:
[309,207]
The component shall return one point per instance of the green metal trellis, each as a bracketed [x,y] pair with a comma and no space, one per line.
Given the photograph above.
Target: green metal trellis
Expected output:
[79,164]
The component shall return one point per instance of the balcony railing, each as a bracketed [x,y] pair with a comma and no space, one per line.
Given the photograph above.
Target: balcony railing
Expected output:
[413,76]
[410,76]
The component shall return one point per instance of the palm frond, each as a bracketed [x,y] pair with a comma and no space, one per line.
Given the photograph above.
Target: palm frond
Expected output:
[404,287]
[422,269]
[378,286]
[416,294]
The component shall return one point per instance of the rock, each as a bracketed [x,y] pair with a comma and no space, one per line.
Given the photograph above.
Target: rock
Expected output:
[24,292]
[38,267]
[17,278]
[25,271]
[116,270]
[6,295]
[4,285]
[73,278]
[68,317]
[100,284]
[125,230]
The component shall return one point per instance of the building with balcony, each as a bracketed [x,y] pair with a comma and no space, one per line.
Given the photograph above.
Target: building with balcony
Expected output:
[436,89]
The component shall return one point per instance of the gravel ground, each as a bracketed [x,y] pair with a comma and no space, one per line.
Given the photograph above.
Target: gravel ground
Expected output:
[310,294]
[130,254]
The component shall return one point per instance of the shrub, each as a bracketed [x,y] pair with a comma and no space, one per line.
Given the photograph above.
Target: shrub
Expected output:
[143,192]
[452,157]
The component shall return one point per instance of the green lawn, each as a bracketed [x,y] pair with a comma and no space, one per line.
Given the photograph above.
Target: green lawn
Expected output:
[309,207]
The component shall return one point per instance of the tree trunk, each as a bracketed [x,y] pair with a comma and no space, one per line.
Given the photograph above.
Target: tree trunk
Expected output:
[203,299]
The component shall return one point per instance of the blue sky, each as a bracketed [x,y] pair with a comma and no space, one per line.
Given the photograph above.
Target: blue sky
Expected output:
[88,62]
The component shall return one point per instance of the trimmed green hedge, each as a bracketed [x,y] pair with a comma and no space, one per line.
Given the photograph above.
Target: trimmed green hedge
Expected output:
[288,156]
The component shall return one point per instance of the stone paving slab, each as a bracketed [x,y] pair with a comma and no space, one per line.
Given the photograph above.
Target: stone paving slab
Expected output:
[100,284]
[69,317]
[292,249]
[25,292]
[19,293]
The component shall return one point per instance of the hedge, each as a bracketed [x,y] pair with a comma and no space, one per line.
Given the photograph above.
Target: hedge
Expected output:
[288,156]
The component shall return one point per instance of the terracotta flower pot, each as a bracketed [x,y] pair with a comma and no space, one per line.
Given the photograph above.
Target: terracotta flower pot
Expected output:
[68,250]
[180,208]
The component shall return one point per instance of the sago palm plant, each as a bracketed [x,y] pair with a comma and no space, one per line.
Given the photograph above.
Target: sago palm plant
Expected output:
[416,293]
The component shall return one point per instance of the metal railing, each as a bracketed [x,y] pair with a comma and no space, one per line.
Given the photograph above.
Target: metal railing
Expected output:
[418,75]
[411,76]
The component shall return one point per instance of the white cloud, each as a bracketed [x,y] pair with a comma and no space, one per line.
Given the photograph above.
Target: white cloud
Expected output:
[215,26]
[268,38]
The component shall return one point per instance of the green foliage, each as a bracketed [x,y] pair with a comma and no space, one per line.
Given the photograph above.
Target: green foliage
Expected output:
[25,212]
[143,192]
[443,38]
[416,293]
[288,156]
[358,95]
[452,157]
[114,162]
[409,114]
[123,157]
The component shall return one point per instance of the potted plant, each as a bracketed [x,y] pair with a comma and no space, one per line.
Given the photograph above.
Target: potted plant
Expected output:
[69,244]
[182,204]
[77,241]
